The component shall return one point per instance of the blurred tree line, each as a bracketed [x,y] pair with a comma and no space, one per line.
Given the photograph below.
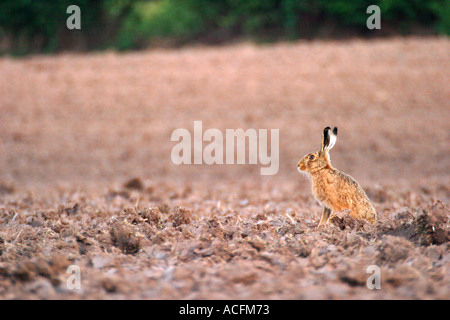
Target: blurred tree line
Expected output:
[40,25]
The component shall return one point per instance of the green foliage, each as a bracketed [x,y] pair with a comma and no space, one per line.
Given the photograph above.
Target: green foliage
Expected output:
[40,25]
[150,20]
[28,19]
[185,20]
[442,10]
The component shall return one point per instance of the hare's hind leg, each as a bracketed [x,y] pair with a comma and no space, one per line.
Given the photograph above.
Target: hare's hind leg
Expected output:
[325,216]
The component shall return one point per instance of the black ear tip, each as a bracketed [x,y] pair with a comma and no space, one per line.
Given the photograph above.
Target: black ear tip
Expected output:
[326,129]
[335,130]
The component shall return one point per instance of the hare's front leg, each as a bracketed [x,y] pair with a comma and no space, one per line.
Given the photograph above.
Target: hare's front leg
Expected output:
[325,216]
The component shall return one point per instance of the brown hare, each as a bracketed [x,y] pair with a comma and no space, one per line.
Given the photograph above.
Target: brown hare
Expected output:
[335,190]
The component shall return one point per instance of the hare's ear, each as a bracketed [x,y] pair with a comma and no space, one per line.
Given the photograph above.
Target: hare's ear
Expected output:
[328,138]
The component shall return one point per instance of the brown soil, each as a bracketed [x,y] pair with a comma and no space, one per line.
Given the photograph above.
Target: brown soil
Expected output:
[86,177]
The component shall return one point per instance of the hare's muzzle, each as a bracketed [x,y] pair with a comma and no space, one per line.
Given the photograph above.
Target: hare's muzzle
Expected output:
[301,166]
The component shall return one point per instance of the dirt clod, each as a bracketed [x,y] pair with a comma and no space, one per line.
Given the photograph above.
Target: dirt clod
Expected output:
[125,238]
[134,183]
[181,216]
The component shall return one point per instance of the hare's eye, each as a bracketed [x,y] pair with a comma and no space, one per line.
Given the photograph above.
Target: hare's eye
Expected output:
[311,157]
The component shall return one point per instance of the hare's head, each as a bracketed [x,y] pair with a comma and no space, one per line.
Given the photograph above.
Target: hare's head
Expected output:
[321,159]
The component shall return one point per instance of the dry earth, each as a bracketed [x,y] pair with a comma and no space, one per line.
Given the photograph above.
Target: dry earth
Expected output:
[86,177]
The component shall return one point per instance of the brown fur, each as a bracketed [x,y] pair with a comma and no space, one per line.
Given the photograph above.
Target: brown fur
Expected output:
[335,190]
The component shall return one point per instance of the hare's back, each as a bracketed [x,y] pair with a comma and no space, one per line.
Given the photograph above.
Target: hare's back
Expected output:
[352,190]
